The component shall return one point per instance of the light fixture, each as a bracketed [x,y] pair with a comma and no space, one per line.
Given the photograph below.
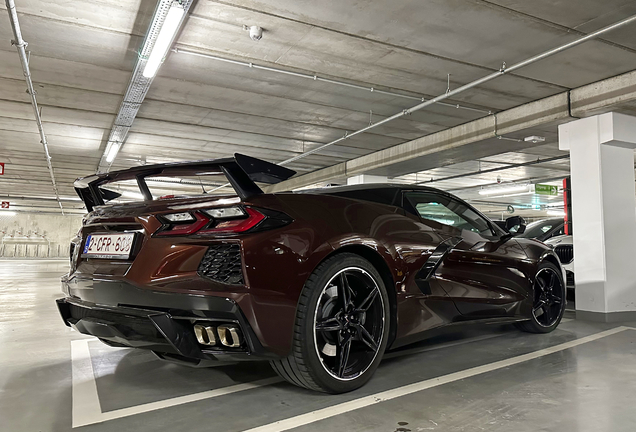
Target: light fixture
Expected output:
[112,152]
[164,40]
[504,189]
[256,32]
[555,213]
[7,213]
[510,195]
[133,195]
[534,139]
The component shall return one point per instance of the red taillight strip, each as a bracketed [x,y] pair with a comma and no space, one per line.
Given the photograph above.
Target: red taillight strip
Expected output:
[237,225]
[186,229]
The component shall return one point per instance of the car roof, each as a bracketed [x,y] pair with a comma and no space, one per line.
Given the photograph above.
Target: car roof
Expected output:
[368,187]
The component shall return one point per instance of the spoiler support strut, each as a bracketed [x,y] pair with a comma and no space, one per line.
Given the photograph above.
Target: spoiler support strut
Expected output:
[241,171]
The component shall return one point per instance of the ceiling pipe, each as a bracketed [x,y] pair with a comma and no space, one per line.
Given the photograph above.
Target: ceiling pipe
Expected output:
[315,77]
[21,45]
[504,70]
[490,170]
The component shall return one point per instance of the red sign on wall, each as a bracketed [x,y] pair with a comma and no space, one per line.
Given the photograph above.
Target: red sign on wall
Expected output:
[1,168]
[4,204]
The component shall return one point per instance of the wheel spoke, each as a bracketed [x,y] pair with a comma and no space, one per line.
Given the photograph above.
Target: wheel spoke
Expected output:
[344,290]
[367,339]
[330,324]
[538,308]
[541,284]
[344,348]
[548,314]
[555,299]
[368,301]
[551,286]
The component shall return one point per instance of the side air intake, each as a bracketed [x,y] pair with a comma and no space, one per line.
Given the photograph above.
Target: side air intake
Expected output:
[222,263]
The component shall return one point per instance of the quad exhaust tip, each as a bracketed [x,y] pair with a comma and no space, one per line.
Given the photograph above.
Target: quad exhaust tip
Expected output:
[229,335]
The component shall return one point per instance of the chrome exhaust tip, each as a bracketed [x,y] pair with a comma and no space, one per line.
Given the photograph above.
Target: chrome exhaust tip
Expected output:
[205,334]
[230,335]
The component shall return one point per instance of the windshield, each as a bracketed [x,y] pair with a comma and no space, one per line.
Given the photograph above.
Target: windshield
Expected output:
[538,228]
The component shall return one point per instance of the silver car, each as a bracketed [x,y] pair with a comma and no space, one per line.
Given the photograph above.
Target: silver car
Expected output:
[563,245]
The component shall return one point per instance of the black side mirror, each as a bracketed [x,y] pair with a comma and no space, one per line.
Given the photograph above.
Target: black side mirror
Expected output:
[518,222]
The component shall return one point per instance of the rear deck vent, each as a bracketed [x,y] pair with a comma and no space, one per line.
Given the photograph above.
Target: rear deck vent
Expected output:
[222,263]
[565,253]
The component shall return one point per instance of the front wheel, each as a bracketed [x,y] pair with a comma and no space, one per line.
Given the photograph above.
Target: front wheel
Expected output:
[341,328]
[549,300]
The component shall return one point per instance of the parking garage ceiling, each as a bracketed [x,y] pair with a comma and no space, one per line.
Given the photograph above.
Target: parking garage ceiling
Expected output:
[83,54]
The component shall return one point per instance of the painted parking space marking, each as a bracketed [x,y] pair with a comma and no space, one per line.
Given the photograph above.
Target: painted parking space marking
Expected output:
[87,408]
[345,407]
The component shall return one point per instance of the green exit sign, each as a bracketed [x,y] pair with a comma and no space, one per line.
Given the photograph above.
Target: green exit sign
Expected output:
[544,189]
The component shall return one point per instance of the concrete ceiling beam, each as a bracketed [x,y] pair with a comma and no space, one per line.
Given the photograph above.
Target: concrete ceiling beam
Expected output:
[475,139]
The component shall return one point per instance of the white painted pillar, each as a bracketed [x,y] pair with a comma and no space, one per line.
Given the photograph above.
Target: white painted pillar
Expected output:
[366,178]
[603,215]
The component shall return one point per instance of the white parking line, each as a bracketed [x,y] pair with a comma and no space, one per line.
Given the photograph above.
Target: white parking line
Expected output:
[334,410]
[86,406]
[87,409]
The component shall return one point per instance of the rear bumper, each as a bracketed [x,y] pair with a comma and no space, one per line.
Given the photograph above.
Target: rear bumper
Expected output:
[164,324]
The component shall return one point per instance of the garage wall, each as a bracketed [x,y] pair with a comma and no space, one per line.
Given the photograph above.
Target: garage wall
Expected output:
[37,235]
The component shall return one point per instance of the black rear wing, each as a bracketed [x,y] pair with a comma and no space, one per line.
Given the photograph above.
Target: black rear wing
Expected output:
[241,171]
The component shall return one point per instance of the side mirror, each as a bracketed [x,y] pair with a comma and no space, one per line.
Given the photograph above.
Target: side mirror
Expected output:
[516,225]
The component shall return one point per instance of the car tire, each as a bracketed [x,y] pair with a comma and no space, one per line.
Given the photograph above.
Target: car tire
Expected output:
[549,301]
[333,327]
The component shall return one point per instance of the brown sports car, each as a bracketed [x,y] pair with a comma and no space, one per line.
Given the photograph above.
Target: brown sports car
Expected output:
[320,283]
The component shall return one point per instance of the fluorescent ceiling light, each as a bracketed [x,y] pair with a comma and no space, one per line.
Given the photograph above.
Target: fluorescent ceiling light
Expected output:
[512,195]
[112,152]
[555,213]
[7,213]
[133,195]
[534,139]
[498,190]
[162,43]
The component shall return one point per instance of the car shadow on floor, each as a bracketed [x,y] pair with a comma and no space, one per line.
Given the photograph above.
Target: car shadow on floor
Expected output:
[128,377]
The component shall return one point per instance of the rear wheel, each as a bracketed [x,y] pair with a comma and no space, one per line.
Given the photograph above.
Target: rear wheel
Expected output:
[341,329]
[549,300]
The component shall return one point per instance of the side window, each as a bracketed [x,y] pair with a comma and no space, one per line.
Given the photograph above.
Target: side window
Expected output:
[447,211]
[558,232]
[545,228]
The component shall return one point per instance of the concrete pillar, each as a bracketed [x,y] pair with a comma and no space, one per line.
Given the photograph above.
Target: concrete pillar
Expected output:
[366,178]
[603,215]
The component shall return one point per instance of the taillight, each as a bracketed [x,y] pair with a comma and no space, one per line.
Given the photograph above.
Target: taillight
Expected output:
[224,220]
[180,225]
[234,225]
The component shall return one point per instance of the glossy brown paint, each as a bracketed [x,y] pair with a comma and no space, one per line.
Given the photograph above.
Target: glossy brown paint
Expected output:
[482,277]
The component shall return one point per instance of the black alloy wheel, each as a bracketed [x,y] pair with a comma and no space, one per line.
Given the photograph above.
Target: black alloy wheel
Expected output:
[548,297]
[342,327]
[349,323]
[548,302]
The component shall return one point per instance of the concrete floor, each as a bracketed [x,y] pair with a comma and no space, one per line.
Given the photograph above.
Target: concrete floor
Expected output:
[581,377]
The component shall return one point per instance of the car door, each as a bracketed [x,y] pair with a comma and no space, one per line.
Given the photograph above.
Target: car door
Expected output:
[477,265]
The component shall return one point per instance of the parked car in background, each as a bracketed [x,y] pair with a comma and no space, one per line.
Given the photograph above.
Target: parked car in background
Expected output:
[563,246]
[543,230]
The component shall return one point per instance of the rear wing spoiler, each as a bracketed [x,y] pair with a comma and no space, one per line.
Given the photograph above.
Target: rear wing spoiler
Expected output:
[241,171]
